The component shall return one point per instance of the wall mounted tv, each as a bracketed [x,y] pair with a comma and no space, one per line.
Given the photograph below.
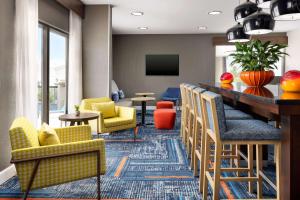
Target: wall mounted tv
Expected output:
[162,65]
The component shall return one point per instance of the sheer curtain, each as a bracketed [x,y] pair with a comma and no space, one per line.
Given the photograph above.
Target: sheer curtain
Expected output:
[75,62]
[26,30]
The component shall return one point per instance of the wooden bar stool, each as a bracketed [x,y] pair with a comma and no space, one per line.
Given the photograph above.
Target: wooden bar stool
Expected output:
[220,132]
[197,153]
[190,121]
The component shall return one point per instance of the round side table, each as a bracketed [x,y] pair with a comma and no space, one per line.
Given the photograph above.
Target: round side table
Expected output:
[82,118]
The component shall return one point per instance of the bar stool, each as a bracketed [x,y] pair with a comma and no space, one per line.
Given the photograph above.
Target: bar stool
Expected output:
[197,153]
[190,120]
[219,131]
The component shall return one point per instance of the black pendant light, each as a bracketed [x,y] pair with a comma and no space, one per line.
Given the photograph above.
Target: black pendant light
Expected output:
[237,34]
[259,23]
[244,10]
[263,3]
[285,10]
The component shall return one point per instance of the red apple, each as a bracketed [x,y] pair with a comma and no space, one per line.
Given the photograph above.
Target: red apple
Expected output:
[290,81]
[226,78]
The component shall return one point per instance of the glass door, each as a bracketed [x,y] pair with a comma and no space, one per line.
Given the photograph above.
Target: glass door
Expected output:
[52,82]
[57,76]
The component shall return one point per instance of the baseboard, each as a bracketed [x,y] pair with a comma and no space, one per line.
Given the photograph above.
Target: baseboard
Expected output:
[7,173]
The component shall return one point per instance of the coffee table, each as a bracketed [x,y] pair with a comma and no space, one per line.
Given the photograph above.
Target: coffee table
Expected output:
[82,118]
[143,101]
[144,94]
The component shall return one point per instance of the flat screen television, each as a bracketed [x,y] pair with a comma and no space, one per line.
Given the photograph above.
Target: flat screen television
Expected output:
[162,65]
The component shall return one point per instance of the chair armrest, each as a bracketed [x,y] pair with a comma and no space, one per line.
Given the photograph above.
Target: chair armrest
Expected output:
[74,133]
[34,153]
[126,112]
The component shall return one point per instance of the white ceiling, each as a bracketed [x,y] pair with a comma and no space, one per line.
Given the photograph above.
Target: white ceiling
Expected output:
[176,16]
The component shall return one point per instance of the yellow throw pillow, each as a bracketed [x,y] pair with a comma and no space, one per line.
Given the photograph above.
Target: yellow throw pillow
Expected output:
[48,136]
[106,108]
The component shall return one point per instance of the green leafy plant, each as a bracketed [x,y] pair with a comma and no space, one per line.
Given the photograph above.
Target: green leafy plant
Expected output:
[257,55]
[76,108]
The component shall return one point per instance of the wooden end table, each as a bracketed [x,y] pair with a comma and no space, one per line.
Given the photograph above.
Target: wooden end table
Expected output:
[82,118]
[145,94]
[143,101]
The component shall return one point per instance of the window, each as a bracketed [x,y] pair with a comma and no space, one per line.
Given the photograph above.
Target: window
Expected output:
[223,63]
[52,83]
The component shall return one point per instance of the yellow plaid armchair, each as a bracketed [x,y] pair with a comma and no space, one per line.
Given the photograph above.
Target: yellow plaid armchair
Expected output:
[76,157]
[125,117]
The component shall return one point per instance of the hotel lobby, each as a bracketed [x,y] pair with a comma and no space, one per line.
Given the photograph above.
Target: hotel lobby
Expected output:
[149,100]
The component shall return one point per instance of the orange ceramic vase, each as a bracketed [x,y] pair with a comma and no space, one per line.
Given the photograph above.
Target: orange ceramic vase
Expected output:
[259,91]
[257,78]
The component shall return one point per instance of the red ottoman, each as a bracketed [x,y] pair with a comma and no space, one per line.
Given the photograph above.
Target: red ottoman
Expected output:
[164,118]
[164,104]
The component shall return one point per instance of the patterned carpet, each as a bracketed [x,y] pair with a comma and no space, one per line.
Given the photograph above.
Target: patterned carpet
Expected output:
[153,167]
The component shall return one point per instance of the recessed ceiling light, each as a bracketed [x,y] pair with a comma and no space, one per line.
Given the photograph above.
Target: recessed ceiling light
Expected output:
[202,27]
[137,13]
[215,12]
[143,28]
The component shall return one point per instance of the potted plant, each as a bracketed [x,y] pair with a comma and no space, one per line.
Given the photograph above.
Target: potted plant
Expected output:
[77,111]
[257,60]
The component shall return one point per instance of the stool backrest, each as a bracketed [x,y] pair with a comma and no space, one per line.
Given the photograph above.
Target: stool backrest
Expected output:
[189,96]
[213,114]
[182,91]
[197,102]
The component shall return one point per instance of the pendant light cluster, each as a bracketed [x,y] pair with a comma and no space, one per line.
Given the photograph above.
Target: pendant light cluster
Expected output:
[252,20]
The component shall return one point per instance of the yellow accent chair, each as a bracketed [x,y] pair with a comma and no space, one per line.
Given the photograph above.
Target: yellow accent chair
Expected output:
[124,118]
[76,157]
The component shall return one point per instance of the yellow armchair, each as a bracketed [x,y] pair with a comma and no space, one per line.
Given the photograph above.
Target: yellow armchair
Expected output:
[125,117]
[78,156]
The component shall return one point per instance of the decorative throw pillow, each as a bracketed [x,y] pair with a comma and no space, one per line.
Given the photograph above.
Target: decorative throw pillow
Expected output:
[48,136]
[115,96]
[121,94]
[106,108]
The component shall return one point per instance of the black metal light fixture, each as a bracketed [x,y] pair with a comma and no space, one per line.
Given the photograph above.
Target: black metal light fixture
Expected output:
[244,10]
[237,34]
[263,3]
[285,10]
[259,23]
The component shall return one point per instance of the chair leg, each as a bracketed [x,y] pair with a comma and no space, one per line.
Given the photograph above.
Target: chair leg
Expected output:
[233,152]
[278,168]
[217,171]
[194,131]
[98,176]
[203,159]
[32,176]
[195,145]
[238,159]
[206,167]
[258,170]
[250,167]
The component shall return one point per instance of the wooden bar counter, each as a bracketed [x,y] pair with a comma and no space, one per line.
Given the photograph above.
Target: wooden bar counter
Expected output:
[271,103]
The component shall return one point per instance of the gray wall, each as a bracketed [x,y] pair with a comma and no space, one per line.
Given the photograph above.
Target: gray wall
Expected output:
[196,61]
[7,104]
[97,38]
[293,60]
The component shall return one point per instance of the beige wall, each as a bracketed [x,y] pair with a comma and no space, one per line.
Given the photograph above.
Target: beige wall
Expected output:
[54,14]
[196,61]
[293,60]
[7,104]
[97,68]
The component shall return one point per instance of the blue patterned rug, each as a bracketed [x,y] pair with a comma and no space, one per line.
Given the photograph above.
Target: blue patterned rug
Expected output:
[153,167]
